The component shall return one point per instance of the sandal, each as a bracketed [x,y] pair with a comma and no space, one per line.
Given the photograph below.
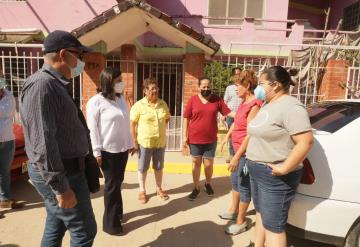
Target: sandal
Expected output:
[142,197]
[163,196]
[235,229]
[228,216]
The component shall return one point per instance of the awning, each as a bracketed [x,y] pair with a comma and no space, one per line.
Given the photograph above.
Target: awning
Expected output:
[20,36]
[129,19]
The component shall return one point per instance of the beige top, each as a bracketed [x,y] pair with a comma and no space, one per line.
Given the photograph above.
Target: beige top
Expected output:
[271,130]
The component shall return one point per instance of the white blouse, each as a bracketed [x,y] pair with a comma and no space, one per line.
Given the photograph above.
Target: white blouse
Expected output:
[7,113]
[109,125]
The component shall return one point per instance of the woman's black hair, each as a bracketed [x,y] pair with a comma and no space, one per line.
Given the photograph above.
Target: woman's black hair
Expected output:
[279,74]
[234,69]
[203,78]
[107,77]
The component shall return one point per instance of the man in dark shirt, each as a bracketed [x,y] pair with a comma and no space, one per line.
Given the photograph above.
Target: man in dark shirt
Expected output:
[56,142]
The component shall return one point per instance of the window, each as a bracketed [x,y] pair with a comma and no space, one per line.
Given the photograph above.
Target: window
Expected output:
[234,8]
[331,117]
[351,17]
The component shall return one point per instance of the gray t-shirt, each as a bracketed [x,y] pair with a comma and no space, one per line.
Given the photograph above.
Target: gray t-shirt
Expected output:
[271,130]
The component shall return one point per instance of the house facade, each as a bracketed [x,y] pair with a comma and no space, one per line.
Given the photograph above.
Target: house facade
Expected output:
[170,40]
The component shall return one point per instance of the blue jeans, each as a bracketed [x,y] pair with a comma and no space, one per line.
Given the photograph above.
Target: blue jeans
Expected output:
[230,121]
[80,220]
[7,150]
[272,195]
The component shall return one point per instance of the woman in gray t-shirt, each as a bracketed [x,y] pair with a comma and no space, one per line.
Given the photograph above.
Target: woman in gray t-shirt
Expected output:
[280,138]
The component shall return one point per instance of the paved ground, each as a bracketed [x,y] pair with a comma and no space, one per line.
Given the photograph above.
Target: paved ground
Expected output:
[177,222]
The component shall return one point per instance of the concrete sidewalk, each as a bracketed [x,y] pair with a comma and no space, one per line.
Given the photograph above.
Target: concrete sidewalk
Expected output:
[176,163]
[176,222]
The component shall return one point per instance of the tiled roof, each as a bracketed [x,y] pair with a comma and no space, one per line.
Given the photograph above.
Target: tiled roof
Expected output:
[125,5]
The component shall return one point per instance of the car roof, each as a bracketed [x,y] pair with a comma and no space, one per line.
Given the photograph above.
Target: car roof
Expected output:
[352,102]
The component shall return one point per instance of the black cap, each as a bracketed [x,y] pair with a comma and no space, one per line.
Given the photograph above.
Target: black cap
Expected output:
[58,40]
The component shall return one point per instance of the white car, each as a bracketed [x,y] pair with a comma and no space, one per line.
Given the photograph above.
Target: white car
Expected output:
[327,207]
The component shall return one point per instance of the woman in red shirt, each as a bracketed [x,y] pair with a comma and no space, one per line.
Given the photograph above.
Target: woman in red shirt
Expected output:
[200,132]
[240,180]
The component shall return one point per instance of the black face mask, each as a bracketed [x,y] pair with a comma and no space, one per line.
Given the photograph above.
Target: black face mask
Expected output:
[205,93]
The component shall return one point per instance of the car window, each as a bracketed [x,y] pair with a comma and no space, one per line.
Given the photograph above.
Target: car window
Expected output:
[331,117]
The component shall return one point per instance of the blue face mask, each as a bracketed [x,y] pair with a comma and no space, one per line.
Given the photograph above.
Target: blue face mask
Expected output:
[2,83]
[259,93]
[80,65]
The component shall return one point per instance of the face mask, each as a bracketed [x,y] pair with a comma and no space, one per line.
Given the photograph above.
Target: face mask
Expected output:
[2,83]
[259,93]
[119,87]
[80,65]
[205,93]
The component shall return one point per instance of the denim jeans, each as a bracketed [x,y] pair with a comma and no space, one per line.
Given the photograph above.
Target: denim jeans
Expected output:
[244,186]
[206,151]
[241,182]
[272,195]
[230,121]
[7,150]
[80,220]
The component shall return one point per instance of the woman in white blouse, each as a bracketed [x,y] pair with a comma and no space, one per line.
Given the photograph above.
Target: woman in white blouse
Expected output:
[109,124]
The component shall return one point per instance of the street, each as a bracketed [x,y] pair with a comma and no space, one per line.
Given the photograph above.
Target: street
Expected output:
[177,222]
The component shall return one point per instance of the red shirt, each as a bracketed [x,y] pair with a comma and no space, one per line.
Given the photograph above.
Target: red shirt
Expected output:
[240,122]
[203,118]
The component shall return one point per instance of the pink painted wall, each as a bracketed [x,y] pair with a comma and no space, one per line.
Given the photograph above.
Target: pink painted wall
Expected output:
[50,15]
[316,21]
[273,10]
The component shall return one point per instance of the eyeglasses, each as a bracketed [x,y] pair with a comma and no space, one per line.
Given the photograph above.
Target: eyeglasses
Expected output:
[79,54]
[261,83]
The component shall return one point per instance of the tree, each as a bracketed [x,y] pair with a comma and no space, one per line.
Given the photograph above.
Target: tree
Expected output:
[219,75]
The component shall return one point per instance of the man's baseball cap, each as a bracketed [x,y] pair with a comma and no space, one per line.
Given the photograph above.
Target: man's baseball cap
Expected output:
[59,39]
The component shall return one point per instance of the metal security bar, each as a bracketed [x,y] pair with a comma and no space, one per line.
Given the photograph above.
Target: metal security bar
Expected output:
[352,90]
[306,90]
[169,76]
[18,63]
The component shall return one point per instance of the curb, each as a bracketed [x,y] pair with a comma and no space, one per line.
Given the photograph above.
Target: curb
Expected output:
[181,168]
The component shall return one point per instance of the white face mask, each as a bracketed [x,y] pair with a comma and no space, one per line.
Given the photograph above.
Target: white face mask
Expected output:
[119,87]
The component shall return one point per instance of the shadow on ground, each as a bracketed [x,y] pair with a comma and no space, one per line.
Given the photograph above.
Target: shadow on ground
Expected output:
[221,187]
[203,233]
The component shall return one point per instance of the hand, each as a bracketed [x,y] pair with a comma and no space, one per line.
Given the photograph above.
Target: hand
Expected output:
[278,170]
[135,149]
[232,166]
[222,144]
[185,149]
[99,160]
[66,199]
[223,121]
